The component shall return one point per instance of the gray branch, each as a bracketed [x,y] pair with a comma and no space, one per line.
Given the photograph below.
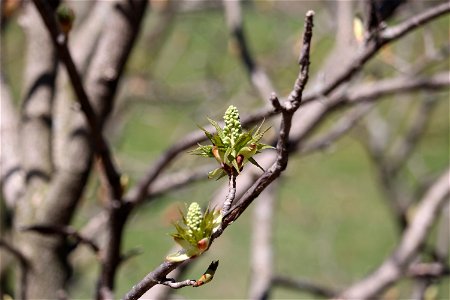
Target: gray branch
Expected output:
[394,267]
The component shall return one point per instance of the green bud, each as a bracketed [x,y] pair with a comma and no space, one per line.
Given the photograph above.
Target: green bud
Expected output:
[233,127]
[65,16]
[194,216]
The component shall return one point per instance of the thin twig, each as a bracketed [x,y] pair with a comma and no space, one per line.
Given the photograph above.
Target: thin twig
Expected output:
[288,110]
[138,192]
[231,194]
[388,36]
[270,175]
[177,284]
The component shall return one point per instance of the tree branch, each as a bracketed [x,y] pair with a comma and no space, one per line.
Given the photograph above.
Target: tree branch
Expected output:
[258,78]
[231,193]
[289,108]
[24,266]
[303,286]
[11,173]
[64,231]
[37,105]
[393,268]
[261,255]
[103,77]
[177,284]
[385,37]
[101,146]
[138,192]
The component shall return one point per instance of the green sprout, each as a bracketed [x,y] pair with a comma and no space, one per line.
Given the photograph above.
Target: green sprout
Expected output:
[194,232]
[65,16]
[231,146]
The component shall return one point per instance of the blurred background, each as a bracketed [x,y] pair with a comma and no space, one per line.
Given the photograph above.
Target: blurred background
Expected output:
[332,221]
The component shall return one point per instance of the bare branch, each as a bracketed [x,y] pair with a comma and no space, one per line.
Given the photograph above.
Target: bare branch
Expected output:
[177,284]
[317,112]
[24,266]
[259,79]
[11,176]
[404,146]
[153,278]
[173,181]
[289,109]
[101,146]
[340,128]
[40,74]
[303,286]
[105,73]
[428,270]
[393,268]
[63,231]
[231,194]
[138,192]
[388,36]
[261,262]
[416,21]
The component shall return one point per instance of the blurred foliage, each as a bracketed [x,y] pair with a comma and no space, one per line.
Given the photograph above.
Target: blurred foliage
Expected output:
[332,223]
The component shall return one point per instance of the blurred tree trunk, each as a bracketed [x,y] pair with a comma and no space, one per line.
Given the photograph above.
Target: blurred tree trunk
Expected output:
[46,254]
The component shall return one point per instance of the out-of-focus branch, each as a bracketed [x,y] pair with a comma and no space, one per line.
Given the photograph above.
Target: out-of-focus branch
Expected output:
[177,180]
[442,247]
[388,163]
[303,286]
[39,77]
[288,110]
[394,267]
[24,267]
[365,93]
[404,146]
[138,192]
[418,20]
[313,114]
[340,128]
[261,256]
[101,146]
[388,36]
[428,270]
[106,69]
[63,231]
[11,173]
[258,78]
[71,130]
[11,176]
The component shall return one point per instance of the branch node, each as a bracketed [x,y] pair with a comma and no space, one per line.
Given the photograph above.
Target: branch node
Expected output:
[170,282]
[275,102]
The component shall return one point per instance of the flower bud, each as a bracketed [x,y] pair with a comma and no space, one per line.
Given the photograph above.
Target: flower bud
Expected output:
[194,216]
[233,127]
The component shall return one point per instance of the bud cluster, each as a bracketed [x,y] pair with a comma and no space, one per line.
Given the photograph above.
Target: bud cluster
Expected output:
[233,128]
[194,217]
